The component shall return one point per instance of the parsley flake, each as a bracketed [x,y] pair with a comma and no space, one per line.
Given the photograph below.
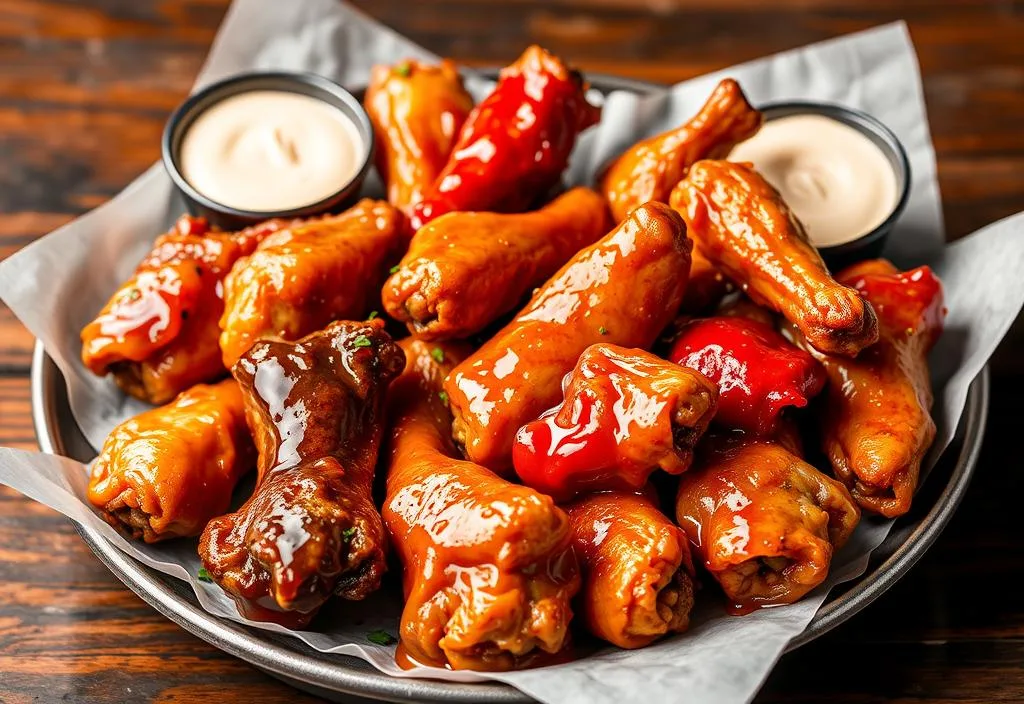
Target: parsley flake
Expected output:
[203,576]
[348,534]
[394,269]
[443,396]
[403,69]
[438,354]
[603,330]
[362,341]
[373,314]
[381,638]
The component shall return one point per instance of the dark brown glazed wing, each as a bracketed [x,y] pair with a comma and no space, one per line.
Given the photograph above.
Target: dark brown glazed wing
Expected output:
[417,111]
[167,471]
[650,169]
[158,333]
[623,289]
[310,528]
[741,224]
[488,566]
[764,522]
[464,270]
[638,577]
[307,275]
[877,425]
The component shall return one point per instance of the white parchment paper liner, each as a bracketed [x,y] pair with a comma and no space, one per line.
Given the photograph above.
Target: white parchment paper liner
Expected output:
[58,284]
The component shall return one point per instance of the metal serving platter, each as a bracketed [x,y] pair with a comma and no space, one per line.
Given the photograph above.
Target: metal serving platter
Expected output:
[348,679]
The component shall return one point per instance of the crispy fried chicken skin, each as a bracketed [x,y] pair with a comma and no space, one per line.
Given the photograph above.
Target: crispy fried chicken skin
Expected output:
[310,529]
[877,426]
[464,270]
[417,111]
[489,570]
[166,472]
[764,522]
[516,143]
[637,574]
[742,225]
[650,169]
[626,412]
[158,333]
[623,290]
[307,275]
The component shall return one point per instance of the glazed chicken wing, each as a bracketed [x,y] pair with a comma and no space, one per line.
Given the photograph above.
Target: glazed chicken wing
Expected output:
[626,412]
[741,224]
[166,472]
[307,275]
[417,111]
[489,571]
[764,522]
[707,286]
[158,333]
[516,143]
[310,529]
[623,289]
[650,169]
[877,426]
[637,574]
[464,270]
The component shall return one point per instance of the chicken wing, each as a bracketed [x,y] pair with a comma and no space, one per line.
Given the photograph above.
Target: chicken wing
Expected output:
[876,426]
[764,522]
[489,570]
[707,286]
[307,275]
[741,224]
[158,333]
[650,169]
[637,574]
[417,111]
[166,472]
[310,529]
[464,270]
[626,412]
[623,289]
[516,143]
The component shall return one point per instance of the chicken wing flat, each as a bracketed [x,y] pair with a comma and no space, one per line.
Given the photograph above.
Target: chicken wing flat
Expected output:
[650,169]
[464,270]
[626,412]
[516,143]
[637,574]
[623,289]
[307,275]
[310,529]
[489,570]
[741,224]
[417,111]
[764,522]
[166,472]
[877,425]
[158,333]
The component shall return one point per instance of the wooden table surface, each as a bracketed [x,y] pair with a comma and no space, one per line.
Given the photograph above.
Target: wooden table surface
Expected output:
[85,88]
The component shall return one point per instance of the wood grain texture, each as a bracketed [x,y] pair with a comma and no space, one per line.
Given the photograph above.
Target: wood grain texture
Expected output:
[84,91]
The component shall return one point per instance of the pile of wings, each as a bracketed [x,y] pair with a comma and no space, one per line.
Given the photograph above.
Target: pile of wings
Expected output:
[597,409]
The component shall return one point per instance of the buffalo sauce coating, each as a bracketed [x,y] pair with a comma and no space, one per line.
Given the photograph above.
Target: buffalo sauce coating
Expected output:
[417,111]
[167,471]
[758,372]
[742,225]
[764,522]
[651,168]
[626,412]
[158,333]
[464,270]
[877,424]
[638,577]
[623,289]
[516,143]
[307,275]
[488,567]
[310,528]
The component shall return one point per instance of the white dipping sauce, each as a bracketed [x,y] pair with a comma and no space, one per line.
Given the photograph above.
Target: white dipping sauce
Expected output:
[836,180]
[270,150]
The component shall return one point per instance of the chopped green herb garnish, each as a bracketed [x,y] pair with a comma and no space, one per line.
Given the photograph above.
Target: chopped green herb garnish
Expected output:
[203,576]
[348,534]
[381,638]
[603,330]
[443,396]
[438,354]
[362,341]
[394,269]
[373,314]
[403,69]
